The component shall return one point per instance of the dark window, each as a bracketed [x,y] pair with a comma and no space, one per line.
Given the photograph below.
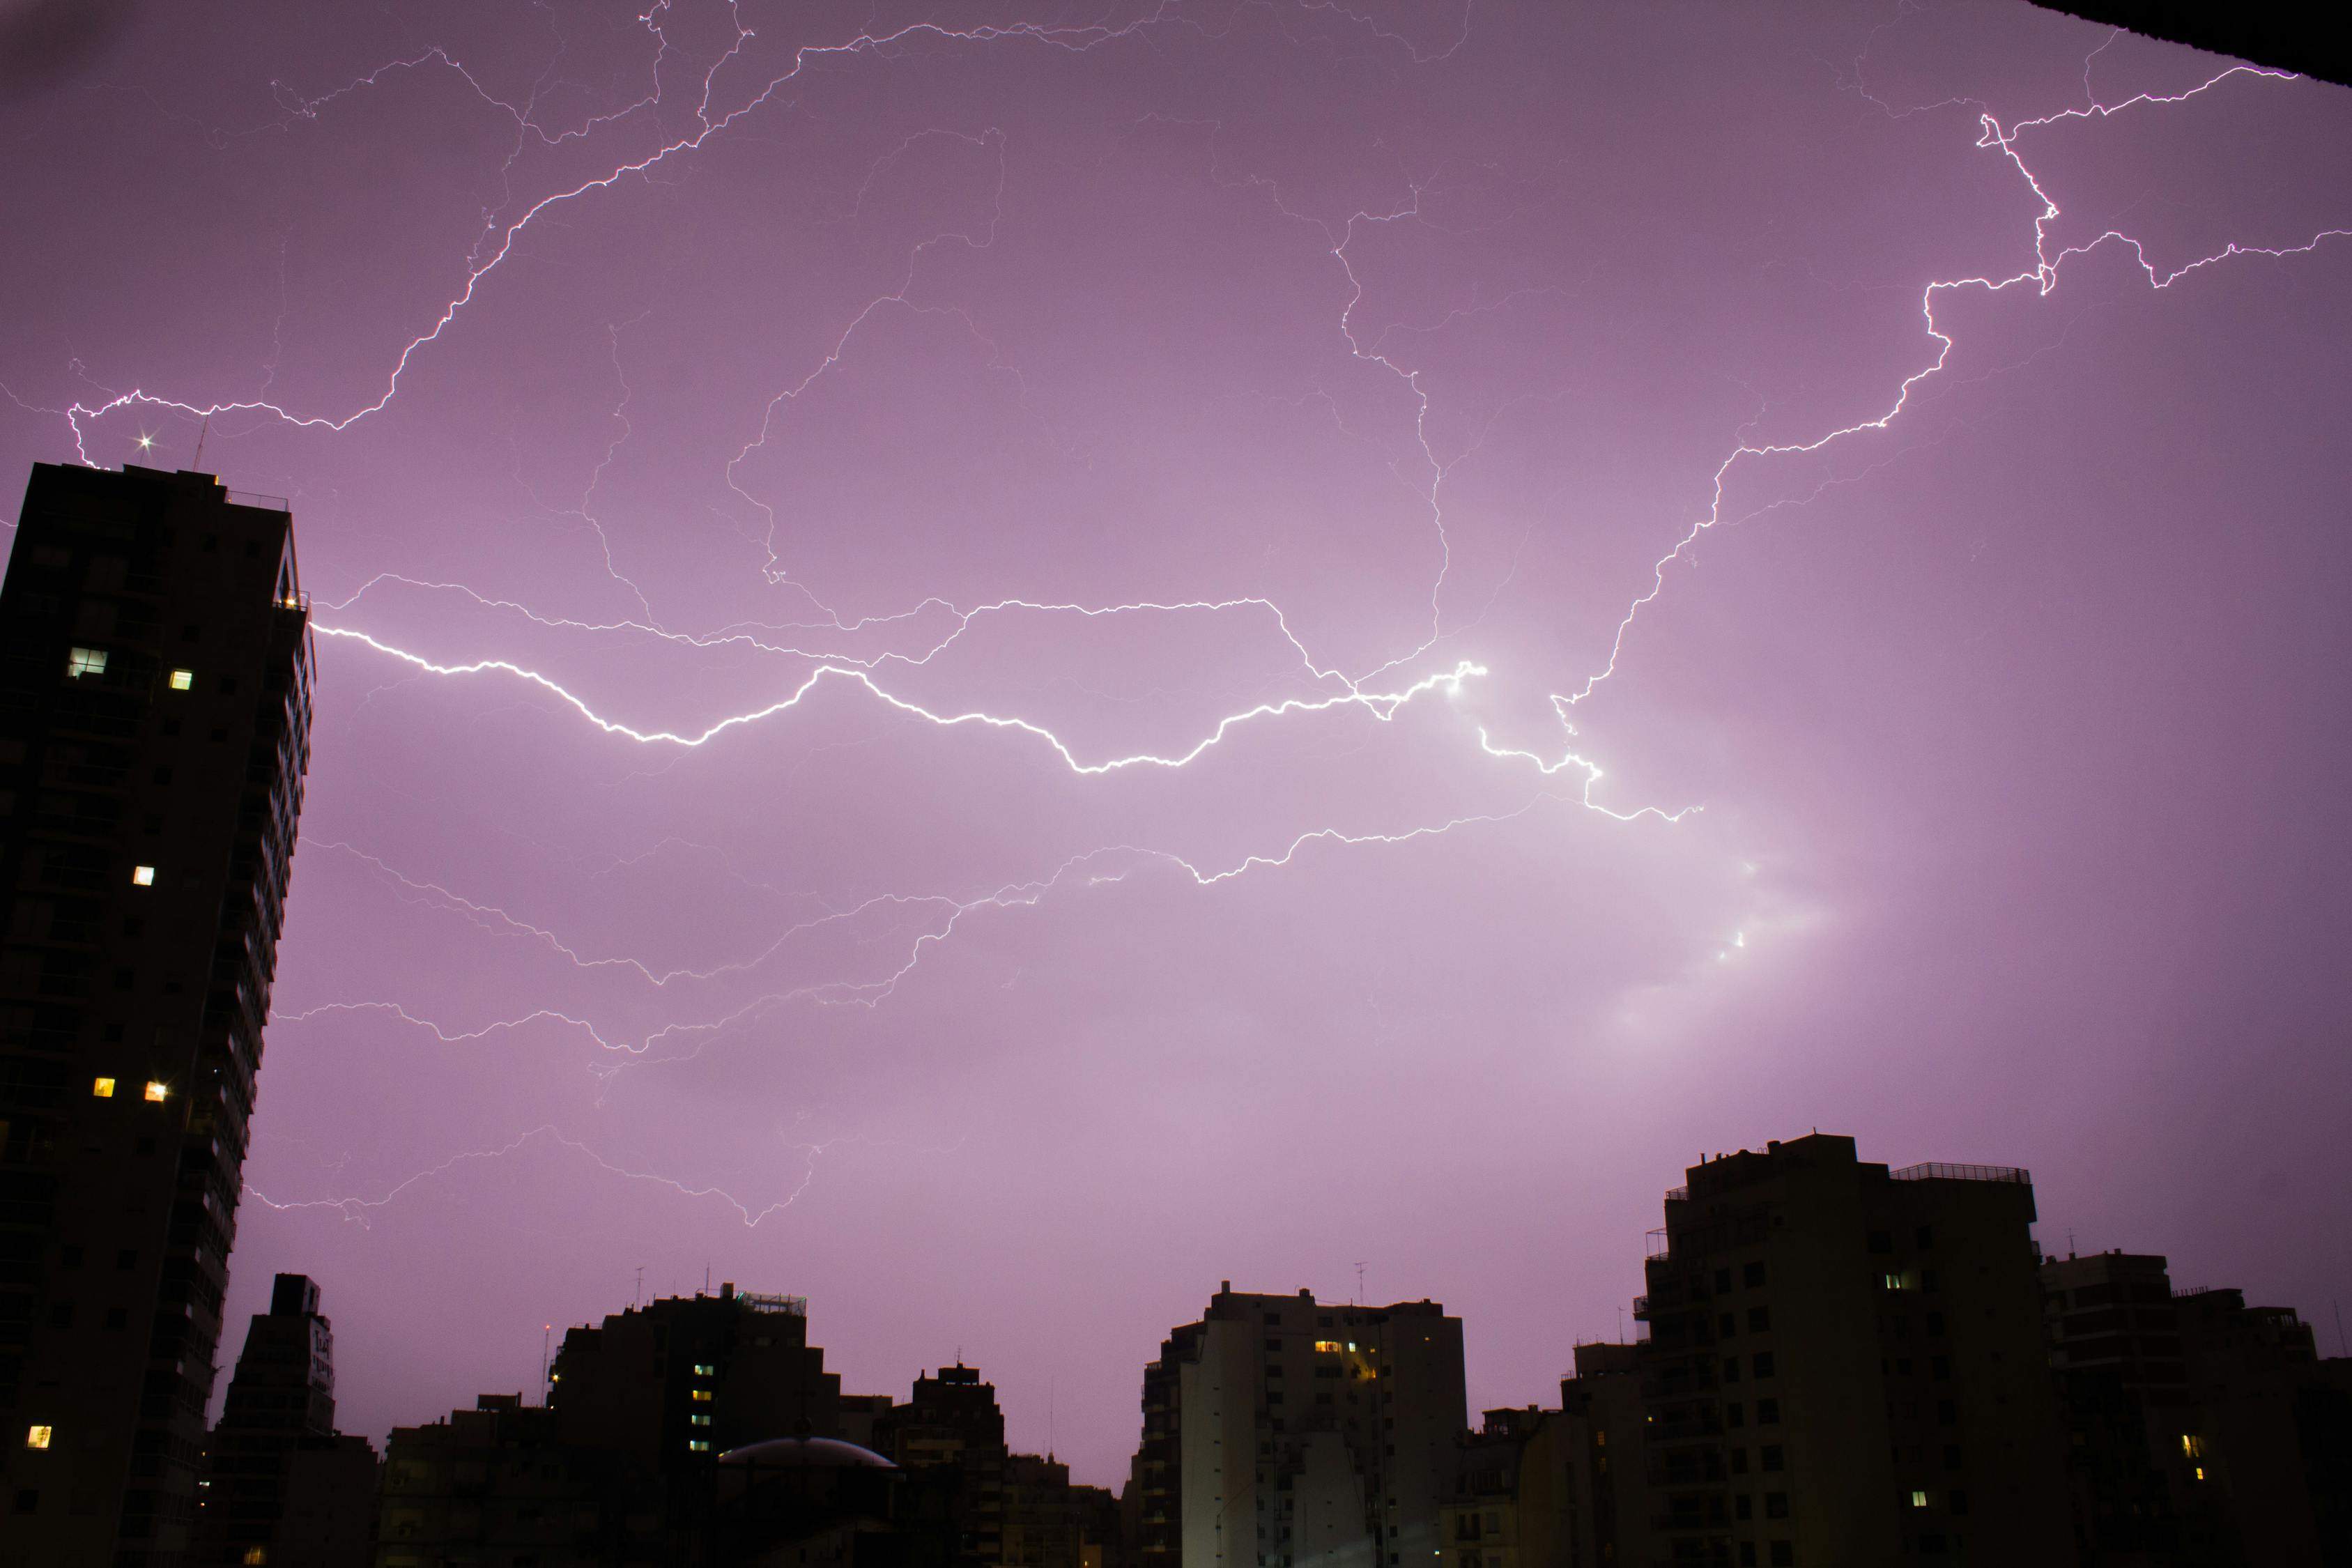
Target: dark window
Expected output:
[1758,1318]
[1776,1505]
[1731,1369]
[1768,1412]
[1743,1507]
[1322,1399]
[1935,1322]
[1727,1325]
[1770,1460]
[1882,1241]
[1753,1276]
[170,726]
[1274,1397]
[1747,1555]
[1273,1320]
[1739,1461]
[28,1501]
[1762,1363]
[1324,1321]
[1927,1280]
[1784,1555]
[1273,1345]
[1952,1454]
[1942,1366]
[1946,1412]
[1927,1237]
[1735,1414]
[1722,1280]
[227,685]
[1959,1502]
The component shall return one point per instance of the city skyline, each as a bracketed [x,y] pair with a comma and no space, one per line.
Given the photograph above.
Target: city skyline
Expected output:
[987,671]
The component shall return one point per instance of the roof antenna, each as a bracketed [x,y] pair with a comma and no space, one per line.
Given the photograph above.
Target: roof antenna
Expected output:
[1359,1284]
[197,463]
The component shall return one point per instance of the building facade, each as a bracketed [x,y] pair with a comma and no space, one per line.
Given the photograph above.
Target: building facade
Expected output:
[155,670]
[1281,1432]
[1845,1366]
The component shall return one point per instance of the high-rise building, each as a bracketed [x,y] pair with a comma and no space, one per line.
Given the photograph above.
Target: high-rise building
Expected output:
[1846,1366]
[281,1486]
[1280,1432]
[155,668]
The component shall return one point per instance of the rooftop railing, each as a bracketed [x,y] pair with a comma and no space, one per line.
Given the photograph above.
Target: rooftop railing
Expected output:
[1934,1172]
[795,1306]
[255,497]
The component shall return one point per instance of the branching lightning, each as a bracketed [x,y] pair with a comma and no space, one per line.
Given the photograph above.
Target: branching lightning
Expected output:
[834,650]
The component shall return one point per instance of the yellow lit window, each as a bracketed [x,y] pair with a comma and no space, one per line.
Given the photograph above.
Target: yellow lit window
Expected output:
[700,1445]
[253,1554]
[698,1419]
[84,661]
[142,876]
[1326,1347]
[37,1436]
[702,1396]
[2200,1472]
[1919,1500]
[158,1092]
[183,679]
[702,1369]
[103,1088]
[1893,1281]
[2192,1448]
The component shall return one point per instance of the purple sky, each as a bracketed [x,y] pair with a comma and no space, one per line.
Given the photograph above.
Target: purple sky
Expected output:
[1289,401]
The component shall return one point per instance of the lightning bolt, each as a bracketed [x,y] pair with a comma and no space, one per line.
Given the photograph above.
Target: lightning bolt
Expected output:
[831,654]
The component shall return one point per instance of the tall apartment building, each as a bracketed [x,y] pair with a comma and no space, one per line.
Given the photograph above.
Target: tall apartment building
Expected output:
[155,668]
[281,1486]
[1845,1366]
[1281,1432]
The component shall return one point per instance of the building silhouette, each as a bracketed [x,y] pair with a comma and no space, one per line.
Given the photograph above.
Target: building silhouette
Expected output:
[1846,1364]
[1608,1456]
[948,1440]
[2200,1430]
[155,670]
[281,1486]
[1280,1432]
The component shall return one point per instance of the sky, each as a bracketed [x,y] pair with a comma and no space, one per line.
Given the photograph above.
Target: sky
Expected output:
[991,662]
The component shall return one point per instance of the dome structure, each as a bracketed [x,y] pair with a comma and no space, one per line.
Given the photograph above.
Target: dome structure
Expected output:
[809,1453]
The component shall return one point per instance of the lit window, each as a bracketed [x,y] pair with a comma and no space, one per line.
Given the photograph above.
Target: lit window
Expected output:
[2192,1448]
[698,1419]
[700,1445]
[253,1554]
[700,1370]
[1351,1345]
[1326,1347]
[183,679]
[103,1088]
[1919,1500]
[158,1092]
[1895,1282]
[2200,1472]
[142,876]
[702,1396]
[37,1436]
[84,661]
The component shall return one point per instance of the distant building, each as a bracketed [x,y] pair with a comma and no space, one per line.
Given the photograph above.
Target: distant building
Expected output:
[493,1485]
[948,1440]
[1607,1457]
[1514,1497]
[1845,1366]
[1050,1523]
[2198,1429]
[1281,1432]
[155,668]
[281,1487]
